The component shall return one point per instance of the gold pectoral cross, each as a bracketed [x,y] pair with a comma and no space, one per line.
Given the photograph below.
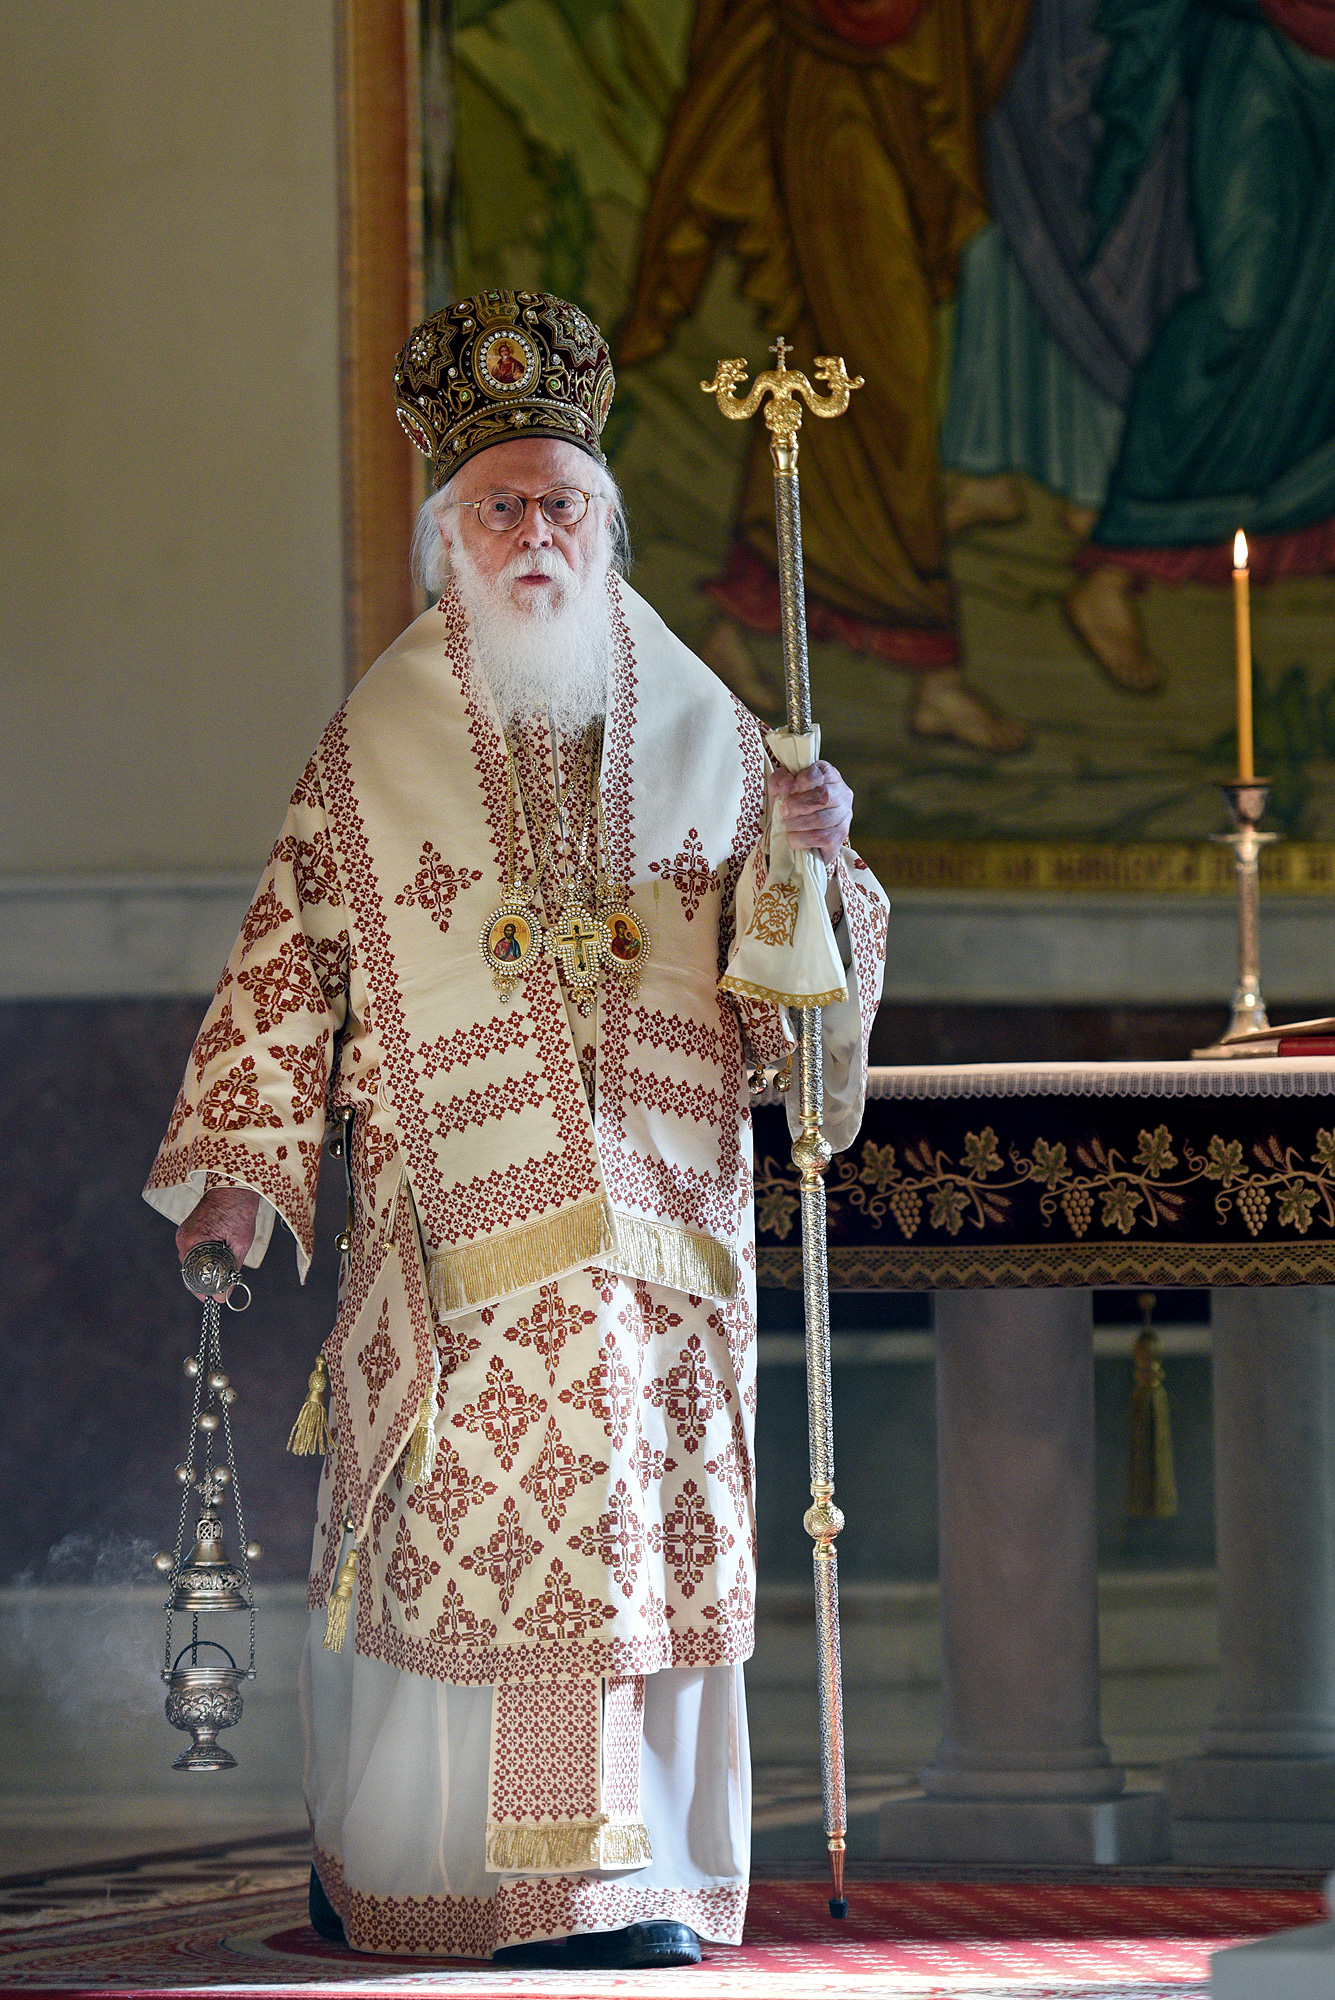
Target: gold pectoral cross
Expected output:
[576,938]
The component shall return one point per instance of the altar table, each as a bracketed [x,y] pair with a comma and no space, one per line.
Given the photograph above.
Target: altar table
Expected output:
[1010,1190]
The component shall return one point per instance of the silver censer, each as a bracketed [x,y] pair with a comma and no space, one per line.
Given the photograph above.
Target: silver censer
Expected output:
[204,1691]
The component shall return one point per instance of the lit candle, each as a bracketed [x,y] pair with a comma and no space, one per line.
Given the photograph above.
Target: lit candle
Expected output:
[1242,606]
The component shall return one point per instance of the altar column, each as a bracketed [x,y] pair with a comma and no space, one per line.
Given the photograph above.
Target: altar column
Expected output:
[1022,1772]
[1263,1788]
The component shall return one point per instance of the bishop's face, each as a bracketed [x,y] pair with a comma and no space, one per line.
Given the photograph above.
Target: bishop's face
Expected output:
[529,467]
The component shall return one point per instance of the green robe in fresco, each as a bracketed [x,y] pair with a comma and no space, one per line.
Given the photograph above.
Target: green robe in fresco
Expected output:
[1232,418]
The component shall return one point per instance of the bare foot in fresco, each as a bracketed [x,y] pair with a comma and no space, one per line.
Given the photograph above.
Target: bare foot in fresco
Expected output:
[724,648]
[1102,609]
[1078,521]
[943,704]
[982,503]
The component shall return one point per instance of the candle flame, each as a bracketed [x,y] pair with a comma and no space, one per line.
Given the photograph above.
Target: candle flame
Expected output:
[1239,550]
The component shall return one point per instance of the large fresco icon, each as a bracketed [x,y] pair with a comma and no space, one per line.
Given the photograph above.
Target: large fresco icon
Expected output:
[1080,254]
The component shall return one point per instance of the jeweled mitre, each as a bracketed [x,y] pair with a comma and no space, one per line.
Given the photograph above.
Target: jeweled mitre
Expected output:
[503,365]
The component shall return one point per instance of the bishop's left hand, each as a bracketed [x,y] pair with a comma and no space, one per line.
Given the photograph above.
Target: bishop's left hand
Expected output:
[817,807]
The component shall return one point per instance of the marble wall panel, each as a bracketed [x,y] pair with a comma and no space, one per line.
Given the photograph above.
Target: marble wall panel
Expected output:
[94,1321]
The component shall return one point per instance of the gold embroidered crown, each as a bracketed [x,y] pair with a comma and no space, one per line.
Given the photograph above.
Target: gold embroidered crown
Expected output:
[502,365]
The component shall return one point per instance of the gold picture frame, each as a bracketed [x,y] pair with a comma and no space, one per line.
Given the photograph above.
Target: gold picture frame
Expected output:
[380,185]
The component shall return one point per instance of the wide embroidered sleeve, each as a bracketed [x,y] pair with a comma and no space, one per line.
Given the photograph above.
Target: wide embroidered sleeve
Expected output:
[251,1111]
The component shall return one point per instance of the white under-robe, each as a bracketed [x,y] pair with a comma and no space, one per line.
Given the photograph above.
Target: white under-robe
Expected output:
[396,1790]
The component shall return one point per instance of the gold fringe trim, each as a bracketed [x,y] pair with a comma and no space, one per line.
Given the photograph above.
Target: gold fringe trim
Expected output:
[421,1446]
[477,1272]
[589,1233]
[340,1598]
[678,1258]
[625,1846]
[804,1001]
[542,1846]
[310,1433]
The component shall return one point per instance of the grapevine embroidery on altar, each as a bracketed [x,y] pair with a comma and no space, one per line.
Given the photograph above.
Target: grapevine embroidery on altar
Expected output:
[1140,1193]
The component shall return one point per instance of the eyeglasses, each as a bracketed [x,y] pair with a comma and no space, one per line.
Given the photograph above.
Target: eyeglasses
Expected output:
[563,507]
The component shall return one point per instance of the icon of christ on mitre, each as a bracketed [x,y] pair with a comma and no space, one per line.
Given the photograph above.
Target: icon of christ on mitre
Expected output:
[537,1509]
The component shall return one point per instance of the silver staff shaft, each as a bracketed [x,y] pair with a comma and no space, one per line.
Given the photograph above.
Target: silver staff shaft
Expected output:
[811,1156]
[783,391]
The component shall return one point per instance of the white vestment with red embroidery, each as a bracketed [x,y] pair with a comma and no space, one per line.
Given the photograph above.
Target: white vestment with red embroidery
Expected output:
[552,1241]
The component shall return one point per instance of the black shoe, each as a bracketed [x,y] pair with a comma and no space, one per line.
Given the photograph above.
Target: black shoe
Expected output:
[657,1942]
[325,1920]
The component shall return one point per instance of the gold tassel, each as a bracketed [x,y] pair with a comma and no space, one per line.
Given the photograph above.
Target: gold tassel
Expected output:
[310,1433]
[1151,1485]
[340,1597]
[421,1446]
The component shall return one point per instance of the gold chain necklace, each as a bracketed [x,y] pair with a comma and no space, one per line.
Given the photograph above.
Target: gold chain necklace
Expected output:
[596,929]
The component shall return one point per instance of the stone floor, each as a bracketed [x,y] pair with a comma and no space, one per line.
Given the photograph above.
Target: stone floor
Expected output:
[85,1753]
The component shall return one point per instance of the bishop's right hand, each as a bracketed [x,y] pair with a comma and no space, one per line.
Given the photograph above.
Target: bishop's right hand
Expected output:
[224,1215]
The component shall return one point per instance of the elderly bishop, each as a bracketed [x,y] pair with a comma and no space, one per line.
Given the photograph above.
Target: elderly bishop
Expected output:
[487,950]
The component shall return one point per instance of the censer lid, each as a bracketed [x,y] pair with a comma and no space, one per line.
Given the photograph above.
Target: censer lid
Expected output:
[209,1581]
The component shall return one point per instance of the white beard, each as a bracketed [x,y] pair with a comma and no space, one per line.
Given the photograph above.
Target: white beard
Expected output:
[552,654]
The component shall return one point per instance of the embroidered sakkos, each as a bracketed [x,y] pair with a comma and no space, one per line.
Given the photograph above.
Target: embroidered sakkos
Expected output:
[582,1317]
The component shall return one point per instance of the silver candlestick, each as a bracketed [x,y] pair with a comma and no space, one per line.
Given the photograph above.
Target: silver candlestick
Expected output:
[1247,803]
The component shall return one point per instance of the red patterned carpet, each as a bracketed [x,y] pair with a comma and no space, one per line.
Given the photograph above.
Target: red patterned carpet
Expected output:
[1128,1939]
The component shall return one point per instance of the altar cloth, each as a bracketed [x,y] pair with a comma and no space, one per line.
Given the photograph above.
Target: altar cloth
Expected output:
[1038,1174]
